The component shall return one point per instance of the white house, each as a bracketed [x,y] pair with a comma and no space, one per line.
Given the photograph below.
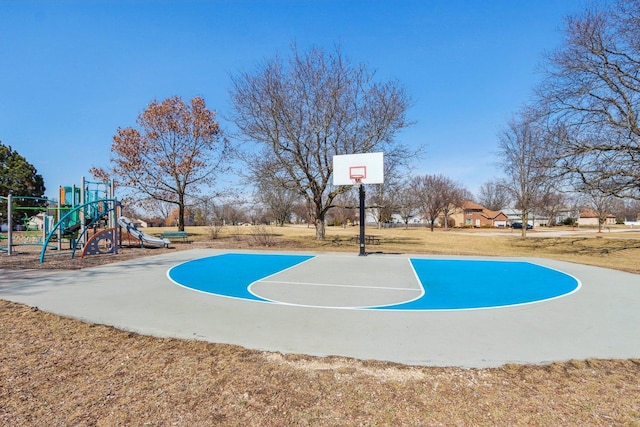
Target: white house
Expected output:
[515,215]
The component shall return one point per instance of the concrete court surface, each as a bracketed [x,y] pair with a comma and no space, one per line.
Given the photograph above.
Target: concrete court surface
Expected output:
[600,320]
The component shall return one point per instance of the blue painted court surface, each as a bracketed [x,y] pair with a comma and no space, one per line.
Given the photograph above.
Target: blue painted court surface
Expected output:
[440,284]
[231,275]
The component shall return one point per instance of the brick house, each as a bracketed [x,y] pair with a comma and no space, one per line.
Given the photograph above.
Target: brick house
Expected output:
[472,214]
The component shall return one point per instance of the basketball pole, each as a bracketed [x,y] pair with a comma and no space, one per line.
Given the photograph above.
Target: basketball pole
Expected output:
[362,239]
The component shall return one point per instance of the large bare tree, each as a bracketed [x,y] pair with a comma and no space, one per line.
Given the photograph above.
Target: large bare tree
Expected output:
[525,160]
[176,148]
[592,95]
[302,111]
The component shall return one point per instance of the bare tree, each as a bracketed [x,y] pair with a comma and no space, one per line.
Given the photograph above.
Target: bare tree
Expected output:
[303,111]
[258,214]
[155,207]
[279,202]
[383,198]
[408,202]
[177,148]
[551,204]
[436,194]
[453,195]
[592,96]
[301,213]
[493,196]
[525,162]
[631,210]
[230,213]
[204,208]
[601,204]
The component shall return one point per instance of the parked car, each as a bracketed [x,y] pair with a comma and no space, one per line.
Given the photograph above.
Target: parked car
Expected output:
[518,225]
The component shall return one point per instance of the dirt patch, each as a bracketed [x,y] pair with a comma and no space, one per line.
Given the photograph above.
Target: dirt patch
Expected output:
[57,371]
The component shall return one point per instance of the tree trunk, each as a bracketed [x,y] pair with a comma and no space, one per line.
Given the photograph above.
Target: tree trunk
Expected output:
[320,229]
[181,213]
[318,217]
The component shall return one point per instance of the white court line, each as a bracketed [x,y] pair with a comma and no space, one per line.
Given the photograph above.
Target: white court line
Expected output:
[337,286]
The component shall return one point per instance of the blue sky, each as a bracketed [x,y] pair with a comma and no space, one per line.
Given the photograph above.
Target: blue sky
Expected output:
[72,72]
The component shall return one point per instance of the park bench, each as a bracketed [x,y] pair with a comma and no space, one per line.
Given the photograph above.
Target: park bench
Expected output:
[176,235]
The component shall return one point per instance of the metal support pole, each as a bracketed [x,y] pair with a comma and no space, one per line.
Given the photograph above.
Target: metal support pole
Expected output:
[9,225]
[117,239]
[59,232]
[362,237]
[83,213]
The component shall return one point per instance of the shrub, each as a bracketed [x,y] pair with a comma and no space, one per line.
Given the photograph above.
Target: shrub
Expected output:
[262,235]
[214,231]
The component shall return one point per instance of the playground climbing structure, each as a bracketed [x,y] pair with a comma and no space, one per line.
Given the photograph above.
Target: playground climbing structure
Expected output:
[86,220]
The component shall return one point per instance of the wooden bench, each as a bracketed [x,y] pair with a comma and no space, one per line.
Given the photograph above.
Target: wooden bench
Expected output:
[176,235]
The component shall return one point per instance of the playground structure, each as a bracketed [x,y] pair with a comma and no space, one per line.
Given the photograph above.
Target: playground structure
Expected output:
[85,217]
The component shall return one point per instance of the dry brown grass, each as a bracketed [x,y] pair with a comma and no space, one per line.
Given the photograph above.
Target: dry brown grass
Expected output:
[58,371]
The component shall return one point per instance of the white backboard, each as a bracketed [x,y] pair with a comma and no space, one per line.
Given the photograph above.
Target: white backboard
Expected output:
[369,167]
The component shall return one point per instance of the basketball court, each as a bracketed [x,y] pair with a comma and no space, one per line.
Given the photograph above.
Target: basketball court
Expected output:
[387,283]
[411,309]
[347,305]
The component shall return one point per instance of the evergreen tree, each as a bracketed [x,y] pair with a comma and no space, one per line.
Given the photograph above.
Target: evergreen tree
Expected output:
[20,178]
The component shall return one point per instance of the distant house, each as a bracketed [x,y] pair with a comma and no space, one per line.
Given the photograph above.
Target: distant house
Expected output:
[147,222]
[472,214]
[140,223]
[413,220]
[564,215]
[533,219]
[590,218]
[37,222]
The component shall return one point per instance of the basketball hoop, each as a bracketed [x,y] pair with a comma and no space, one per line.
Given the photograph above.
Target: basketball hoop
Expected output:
[356,170]
[357,174]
